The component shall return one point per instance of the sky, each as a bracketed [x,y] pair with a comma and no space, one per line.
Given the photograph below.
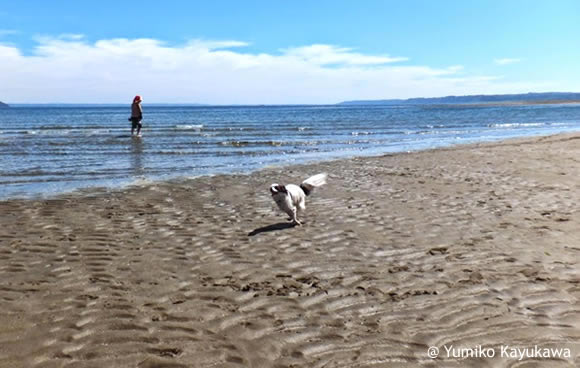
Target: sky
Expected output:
[284,52]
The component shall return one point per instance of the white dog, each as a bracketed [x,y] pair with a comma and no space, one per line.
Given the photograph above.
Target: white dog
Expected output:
[291,198]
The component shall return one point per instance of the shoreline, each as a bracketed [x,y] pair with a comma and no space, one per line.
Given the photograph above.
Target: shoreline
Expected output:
[123,184]
[464,246]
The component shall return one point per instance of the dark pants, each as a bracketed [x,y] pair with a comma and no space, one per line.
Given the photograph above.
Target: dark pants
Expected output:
[136,124]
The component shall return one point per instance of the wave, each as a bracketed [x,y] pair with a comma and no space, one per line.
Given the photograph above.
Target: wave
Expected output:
[61,132]
[516,125]
[68,127]
[255,143]
[441,132]
[196,127]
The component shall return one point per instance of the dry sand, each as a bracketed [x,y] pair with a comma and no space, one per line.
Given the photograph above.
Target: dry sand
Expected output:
[469,246]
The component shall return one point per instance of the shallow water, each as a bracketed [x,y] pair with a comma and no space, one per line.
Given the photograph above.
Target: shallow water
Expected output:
[50,150]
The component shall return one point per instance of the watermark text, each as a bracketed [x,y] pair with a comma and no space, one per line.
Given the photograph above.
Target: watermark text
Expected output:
[503,351]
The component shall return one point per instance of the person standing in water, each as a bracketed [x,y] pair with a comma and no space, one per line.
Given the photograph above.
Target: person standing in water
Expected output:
[136,115]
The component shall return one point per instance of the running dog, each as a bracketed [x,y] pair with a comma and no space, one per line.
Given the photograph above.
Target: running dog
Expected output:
[291,198]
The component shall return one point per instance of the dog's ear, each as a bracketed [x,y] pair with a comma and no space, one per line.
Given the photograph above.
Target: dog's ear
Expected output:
[278,188]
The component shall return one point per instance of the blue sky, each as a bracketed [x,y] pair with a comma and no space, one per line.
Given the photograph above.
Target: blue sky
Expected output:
[265,52]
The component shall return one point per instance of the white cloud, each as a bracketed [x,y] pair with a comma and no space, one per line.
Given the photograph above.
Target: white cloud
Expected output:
[68,68]
[506,61]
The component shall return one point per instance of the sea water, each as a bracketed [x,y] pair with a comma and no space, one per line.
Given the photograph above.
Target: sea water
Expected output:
[47,150]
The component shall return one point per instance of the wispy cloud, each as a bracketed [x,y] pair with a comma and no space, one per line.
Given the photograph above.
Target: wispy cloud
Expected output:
[7,32]
[455,68]
[329,54]
[216,45]
[71,36]
[69,68]
[506,61]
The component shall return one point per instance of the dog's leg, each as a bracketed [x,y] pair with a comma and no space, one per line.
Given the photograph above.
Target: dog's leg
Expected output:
[295,217]
[302,206]
[291,214]
[300,209]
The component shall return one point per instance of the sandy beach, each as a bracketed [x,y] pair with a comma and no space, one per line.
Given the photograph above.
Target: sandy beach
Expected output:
[470,247]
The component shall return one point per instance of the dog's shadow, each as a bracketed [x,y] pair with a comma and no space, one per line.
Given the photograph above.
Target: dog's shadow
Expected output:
[273,227]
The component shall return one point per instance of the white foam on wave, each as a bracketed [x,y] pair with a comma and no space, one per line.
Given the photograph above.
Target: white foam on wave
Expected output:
[515,125]
[61,132]
[139,182]
[189,126]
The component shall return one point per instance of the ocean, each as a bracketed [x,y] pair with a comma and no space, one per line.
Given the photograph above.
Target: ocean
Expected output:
[48,150]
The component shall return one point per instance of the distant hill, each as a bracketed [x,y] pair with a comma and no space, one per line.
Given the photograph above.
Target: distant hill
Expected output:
[477,99]
[2,104]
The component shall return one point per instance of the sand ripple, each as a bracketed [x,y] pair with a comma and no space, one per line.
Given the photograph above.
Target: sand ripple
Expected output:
[469,246]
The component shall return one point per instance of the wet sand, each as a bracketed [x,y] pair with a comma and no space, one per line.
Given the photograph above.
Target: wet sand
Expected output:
[469,246]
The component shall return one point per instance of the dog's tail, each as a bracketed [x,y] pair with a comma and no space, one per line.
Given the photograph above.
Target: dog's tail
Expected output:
[312,182]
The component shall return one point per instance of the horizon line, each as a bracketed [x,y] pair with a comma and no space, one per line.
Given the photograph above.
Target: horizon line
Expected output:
[274,104]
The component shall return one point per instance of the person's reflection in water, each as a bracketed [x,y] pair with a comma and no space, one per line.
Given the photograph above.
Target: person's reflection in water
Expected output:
[137,157]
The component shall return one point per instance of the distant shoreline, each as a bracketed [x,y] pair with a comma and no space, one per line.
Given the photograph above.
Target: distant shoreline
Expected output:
[543,102]
[522,98]
[532,98]
[490,104]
